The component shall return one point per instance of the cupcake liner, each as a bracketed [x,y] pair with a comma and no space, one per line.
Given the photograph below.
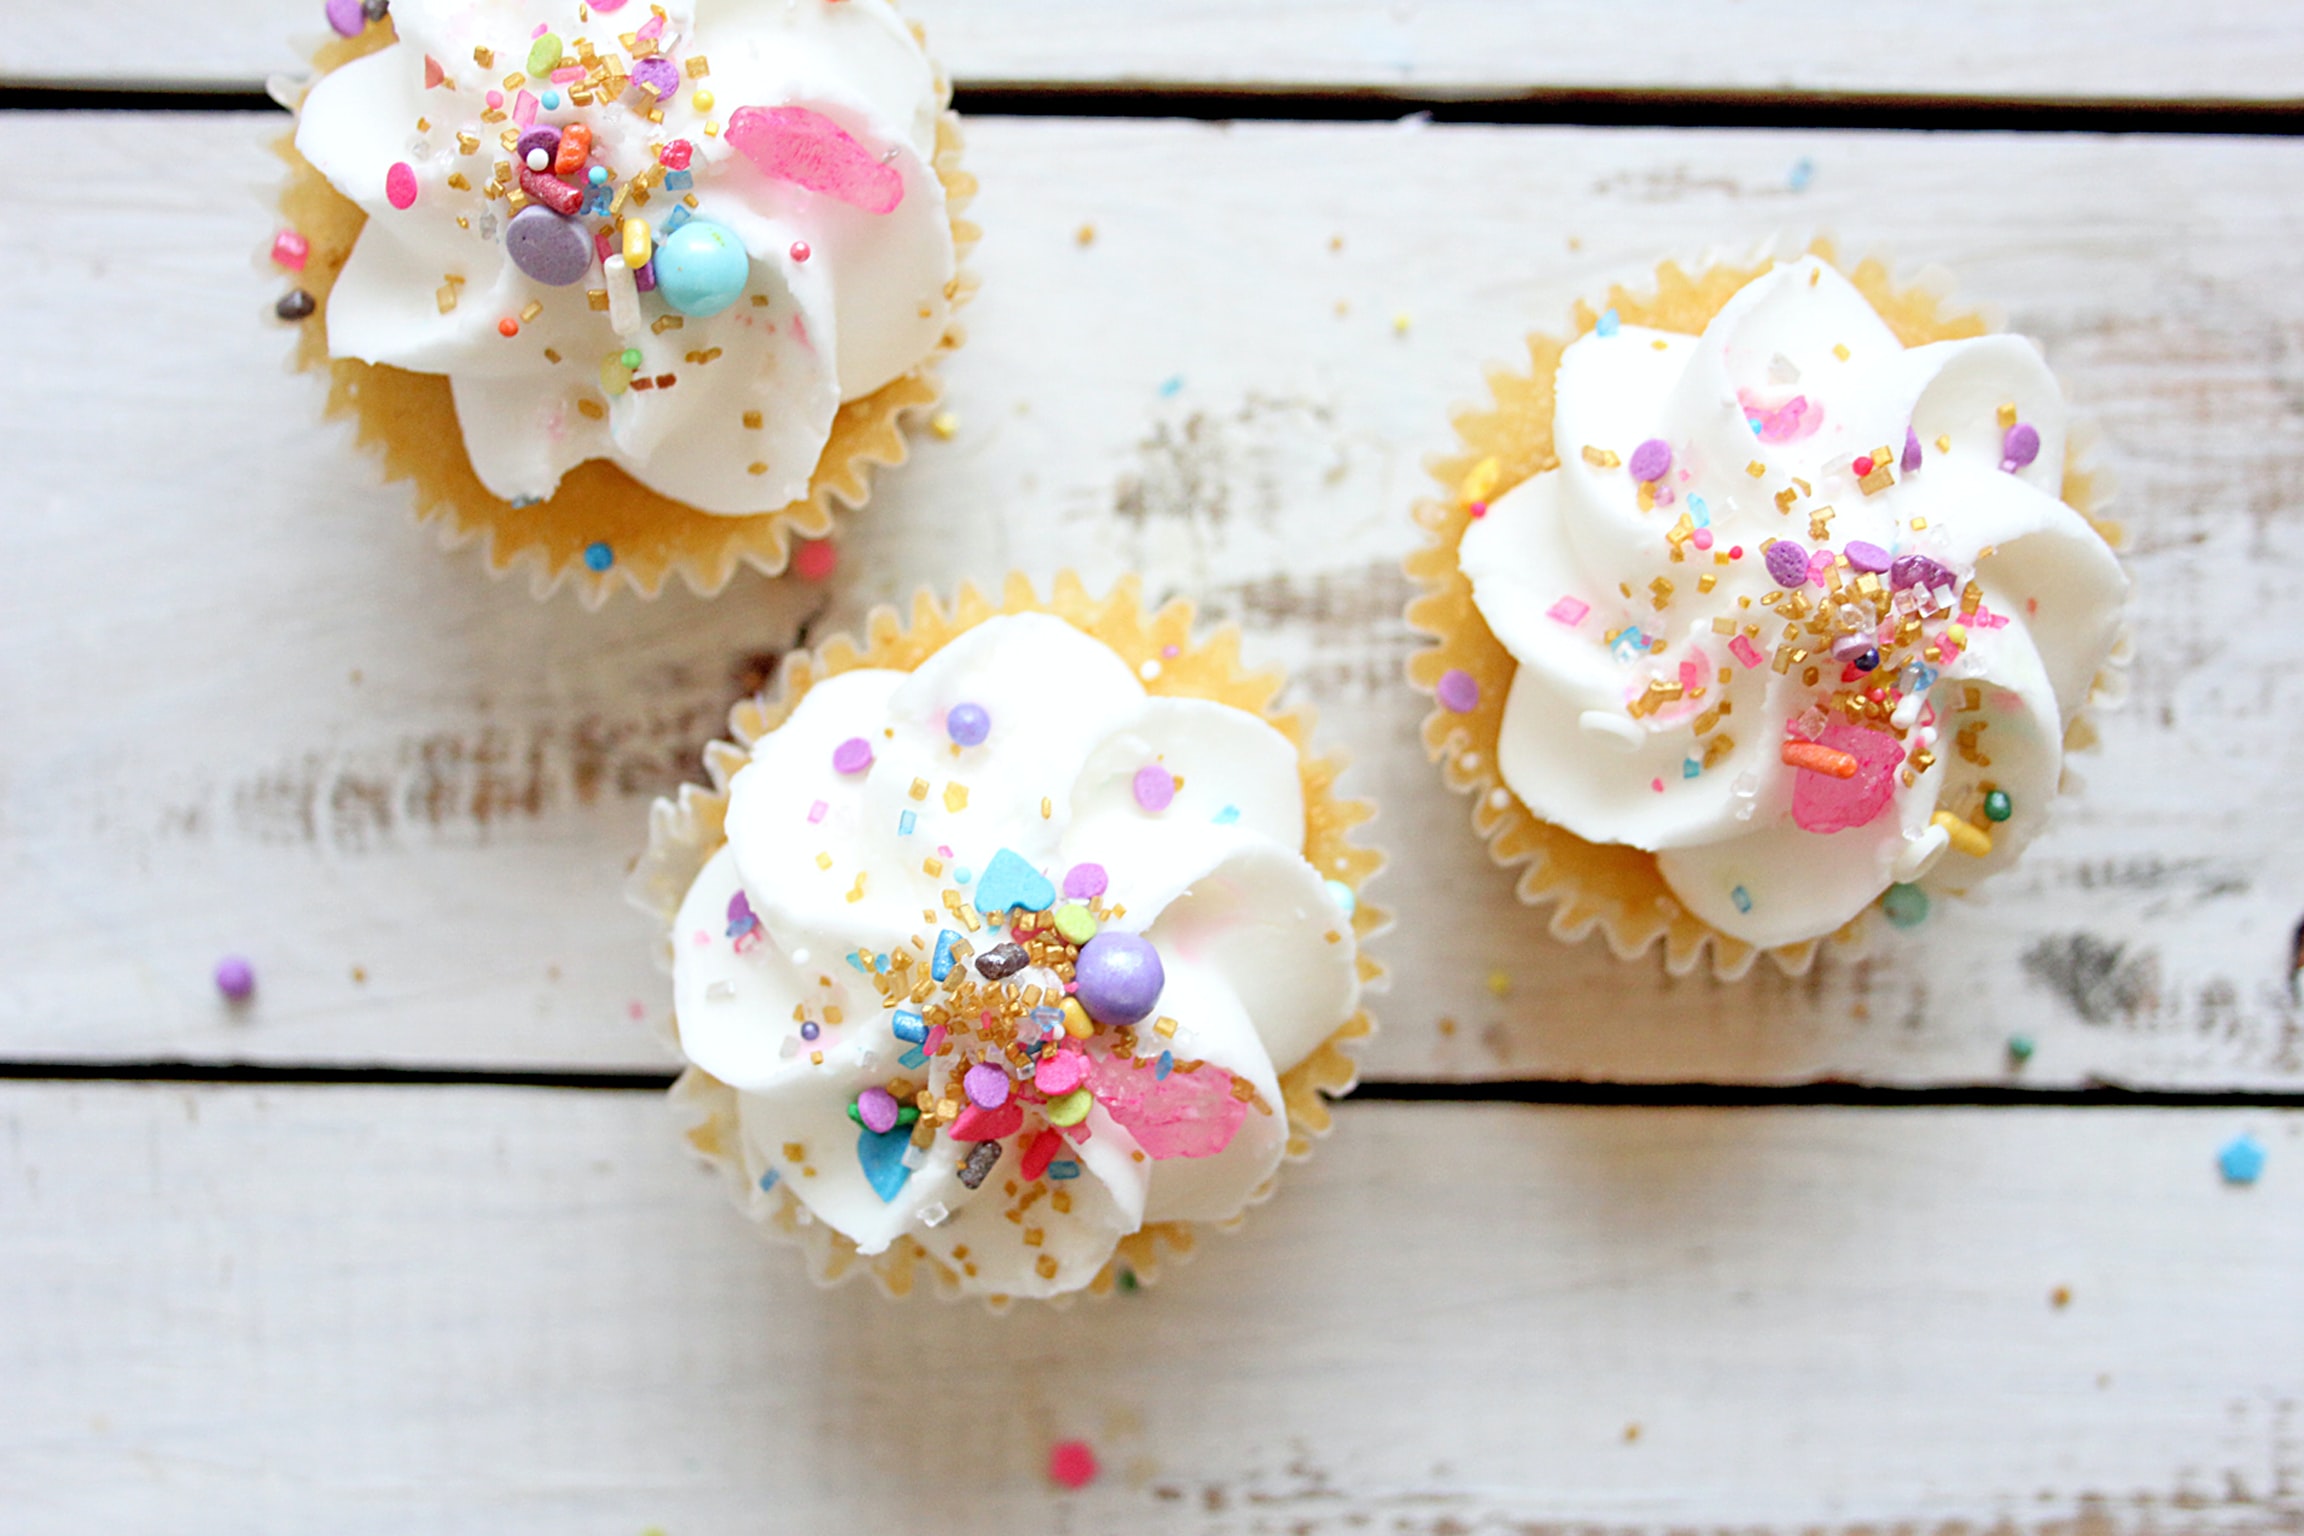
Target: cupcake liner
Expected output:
[685,831]
[1610,887]
[408,420]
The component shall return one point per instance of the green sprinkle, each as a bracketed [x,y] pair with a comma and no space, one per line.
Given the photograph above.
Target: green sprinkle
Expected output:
[1997,806]
[1075,922]
[2019,1048]
[1906,905]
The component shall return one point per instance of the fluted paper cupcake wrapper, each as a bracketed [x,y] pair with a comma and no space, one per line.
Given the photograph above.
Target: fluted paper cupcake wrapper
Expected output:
[1611,888]
[685,831]
[408,420]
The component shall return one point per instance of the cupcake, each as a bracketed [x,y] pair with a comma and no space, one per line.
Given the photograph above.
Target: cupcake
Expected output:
[1769,600]
[627,292]
[1011,946]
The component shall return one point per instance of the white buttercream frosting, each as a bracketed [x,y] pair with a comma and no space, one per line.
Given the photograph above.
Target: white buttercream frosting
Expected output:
[1664,675]
[727,412]
[811,939]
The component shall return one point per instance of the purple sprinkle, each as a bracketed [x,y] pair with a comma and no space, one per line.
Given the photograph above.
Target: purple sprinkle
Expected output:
[544,137]
[1865,557]
[1651,460]
[235,977]
[816,811]
[1085,882]
[1155,787]
[1918,571]
[741,919]
[852,756]
[1911,459]
[2020,447]
[1459,691]
[967,724]
[347,17]
[877,1108]
[809,1030]
[661,75]
[987,1085]
[645,278]
[1788,563]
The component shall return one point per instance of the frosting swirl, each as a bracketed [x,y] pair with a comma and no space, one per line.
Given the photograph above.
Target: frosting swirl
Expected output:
[679,244]
[1007,956]
[1799,609]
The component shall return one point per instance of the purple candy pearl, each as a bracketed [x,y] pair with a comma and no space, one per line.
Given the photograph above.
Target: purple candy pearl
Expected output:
[549,248]
[661,74]
[1118,978]
[809,1030]
[1458,691]
[235,977]
[1788,563]
[2020,447]
[1155,787]
[347,17]
[1652,460]
[852,756]
[1085,882]
[1911,459]
[877,1108]
[544,137]
[1918,571]
[1865,557]
[967,724]
[986,1084]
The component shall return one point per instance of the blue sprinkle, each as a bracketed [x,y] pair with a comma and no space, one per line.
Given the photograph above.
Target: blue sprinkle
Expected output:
[1341,894]
[1742,898]
[1629,643]
[1050,1020]
[905,822]
[677,217]
[596,200]
[856,959]
[1607,325]
[909,1025]
[679,181]
[598,175]
[962,874]
[768,1180]
[1166,1065]
[1698,512]
[1919,678]
[2242,1159]
[1227,816]
[1803,172]
[597,554]
[882,1155]
[914,1057]
[880,963]
[1689,768]
[940,966]
[550,101]
[1169,386]
[1063,1168]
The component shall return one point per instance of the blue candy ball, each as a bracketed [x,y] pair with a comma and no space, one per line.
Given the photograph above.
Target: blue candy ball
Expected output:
[701,268]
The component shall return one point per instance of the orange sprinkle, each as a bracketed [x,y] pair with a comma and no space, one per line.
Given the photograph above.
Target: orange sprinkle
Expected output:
[507,326]
[1819,759]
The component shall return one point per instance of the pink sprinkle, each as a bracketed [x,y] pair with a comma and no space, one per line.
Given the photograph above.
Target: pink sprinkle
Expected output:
[800,251]
[1820,562]
[637,1010]
[1744,651]
[1155,788]
[566,73]
[1702,538]
[702,940]
[289,249]
[608,7]
[400,185]
[1569,611]
[495,100]
[1061,1073]
[650,29]
[935,1040]
[1071,1464]
[433,73]
[1458,692]
[1478,509]
[1170,651]
[1692,674]
[541,28]
[807,148]
[524,109]
[1656,785]
[815,560]
[816,812]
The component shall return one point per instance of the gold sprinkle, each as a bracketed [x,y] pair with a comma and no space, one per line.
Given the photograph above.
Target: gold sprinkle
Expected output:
[756,468]
[484,57]
[1944,444]
[1166,1028]
[1756,469]
[666,323]
[698,67]
[919,790]
[446,297]
[823,861]
[590,410]
[1600,458]
[531,310]
[2007,414]
[1707,582]
[1047,808]
[459,182]
[597,298]
[752,421]
[945,425]
[934,870]
[467,143]
[955,796]
[1839,351]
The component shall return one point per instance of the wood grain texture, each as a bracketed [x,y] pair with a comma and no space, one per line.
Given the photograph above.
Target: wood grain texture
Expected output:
[500,1311]
[2247,49]
[253,710]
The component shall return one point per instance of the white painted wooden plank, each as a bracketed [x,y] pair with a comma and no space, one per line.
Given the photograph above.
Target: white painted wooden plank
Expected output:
[2244,49]
[252,709]
[501,1312]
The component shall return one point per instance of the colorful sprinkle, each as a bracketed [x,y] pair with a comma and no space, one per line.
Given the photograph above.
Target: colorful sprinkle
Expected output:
[986,1085]
[1010,882]
[815,560]
[881,1154]
[1569,611]
[1651,460]
[2020,447]
[1907,907]
[1459,691]
[1865,557]
[808,149]
[968,724]
[1342,894]
[1787,563]
[1607,323]
[235,978]
[1118,978]
[1071,1109]
[1155,788]
[290,250]
[599,555]
[852,756]
[1060,1073]
[1071,1464]
[2241,1160]
[1085,882]
[908,1025]
[400,185]
[876,1109]
[1997,805]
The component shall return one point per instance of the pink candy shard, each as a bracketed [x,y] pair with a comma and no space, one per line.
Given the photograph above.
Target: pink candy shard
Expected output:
[810,150]
[1821,803]
[1569,611]
[1185,1114]
[1745,651]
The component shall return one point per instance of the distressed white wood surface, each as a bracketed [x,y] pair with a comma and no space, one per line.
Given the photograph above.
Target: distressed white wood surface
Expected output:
[498,1311]
[2248,49]
[252,709]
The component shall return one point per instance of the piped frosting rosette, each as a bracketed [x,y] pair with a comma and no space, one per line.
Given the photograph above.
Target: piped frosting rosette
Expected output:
[1795,605]
[665,263]
[1005,963]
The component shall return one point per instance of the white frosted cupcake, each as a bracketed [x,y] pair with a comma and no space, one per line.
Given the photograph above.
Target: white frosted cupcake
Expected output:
[1010,944]
[630,290]
[1769,600]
